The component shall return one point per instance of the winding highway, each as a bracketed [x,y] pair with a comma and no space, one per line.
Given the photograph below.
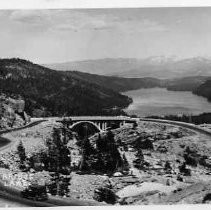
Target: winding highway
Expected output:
[181,124]
[12,195]
[9,144]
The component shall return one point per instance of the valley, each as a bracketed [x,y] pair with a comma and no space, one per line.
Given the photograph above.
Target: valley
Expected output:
[140,163]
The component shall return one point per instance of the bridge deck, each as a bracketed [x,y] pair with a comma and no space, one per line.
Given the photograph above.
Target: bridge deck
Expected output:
[101,118]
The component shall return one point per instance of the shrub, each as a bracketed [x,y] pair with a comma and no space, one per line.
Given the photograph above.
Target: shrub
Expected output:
[22,155]
[206,198]
[183,170]
[143,143]
[191,157]
[105,194]
[167,167]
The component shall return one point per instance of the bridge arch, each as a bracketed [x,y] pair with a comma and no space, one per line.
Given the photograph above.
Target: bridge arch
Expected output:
[76,126]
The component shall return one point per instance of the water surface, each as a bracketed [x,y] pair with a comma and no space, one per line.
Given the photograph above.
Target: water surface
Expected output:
[160,101]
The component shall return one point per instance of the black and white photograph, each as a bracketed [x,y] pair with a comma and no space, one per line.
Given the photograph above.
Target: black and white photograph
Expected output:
[105,106]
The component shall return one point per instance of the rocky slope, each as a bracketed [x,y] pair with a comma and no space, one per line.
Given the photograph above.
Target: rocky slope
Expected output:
[159,183]
[155,183]
[12,112]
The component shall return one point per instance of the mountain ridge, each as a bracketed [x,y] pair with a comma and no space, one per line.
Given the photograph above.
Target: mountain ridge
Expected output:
[156,66]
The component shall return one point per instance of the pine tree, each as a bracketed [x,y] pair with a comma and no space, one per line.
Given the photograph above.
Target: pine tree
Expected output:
[87,150]
[139,162]
[21,152]
[135,125]
[59,157]
[111,144]
[100,165]
[167,167]
[114,160]
[125,163]
[99,143]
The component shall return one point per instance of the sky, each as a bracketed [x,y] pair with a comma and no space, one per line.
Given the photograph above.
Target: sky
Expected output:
[51,36]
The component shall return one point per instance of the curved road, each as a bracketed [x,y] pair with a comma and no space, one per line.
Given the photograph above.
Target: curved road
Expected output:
[14,196]
[182,124]
[9,144]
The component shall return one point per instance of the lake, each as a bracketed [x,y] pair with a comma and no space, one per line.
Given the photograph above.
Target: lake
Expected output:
[160,101]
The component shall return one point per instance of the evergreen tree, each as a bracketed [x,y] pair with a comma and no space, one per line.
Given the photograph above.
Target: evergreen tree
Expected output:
[139,154]
[111,144]
[114,160]
[99,143]
[87,150]
[99,165]
[125,163]
[183,170]
[139,162]
[167,167]
[59,160]
[21,154]
[135,125]
[59,157]
[53,152]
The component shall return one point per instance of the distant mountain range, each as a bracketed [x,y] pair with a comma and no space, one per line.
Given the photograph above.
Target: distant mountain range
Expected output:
[157,67]
[48,92]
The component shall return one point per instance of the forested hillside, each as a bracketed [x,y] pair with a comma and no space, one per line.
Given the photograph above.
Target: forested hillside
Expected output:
[119,84]
[51,93]
[185,83]
[204,90]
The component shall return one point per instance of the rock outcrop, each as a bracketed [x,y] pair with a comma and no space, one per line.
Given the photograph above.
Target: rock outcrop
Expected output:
[12,112]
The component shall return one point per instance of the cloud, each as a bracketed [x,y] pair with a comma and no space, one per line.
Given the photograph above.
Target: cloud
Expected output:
[149,25]
[35,17]
[78,20]
[87,21]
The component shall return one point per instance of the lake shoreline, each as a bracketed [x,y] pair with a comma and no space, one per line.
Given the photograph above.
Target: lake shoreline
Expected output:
[161,101]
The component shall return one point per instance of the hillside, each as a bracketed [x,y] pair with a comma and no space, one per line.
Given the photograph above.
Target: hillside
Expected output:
[117,83]
[204,90]
[48,92]
[185,83]
[157,67]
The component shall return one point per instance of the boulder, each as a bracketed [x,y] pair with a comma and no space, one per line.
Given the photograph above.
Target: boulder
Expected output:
[117,174]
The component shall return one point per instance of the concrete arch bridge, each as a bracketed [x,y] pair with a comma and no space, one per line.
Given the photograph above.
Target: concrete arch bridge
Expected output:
[100,123]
